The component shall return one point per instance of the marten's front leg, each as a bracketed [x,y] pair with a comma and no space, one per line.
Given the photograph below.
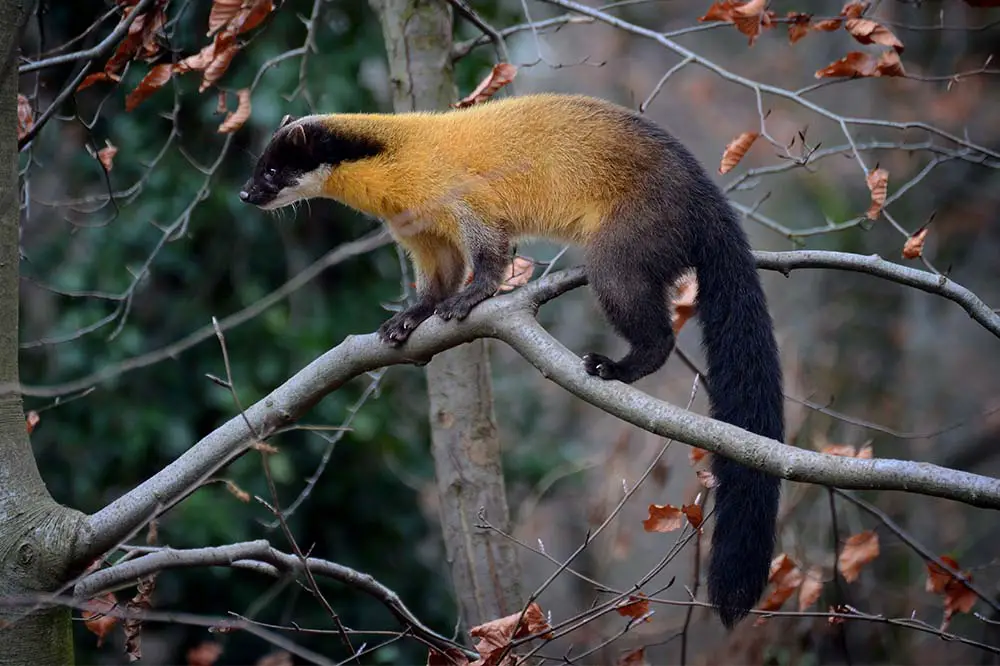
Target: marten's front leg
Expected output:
[439,267]
[488,249]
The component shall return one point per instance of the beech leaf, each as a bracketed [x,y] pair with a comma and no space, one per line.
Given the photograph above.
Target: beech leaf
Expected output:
[858,550]
[502,74]
[878,183]
[736,149]
[913,248]
[235,119]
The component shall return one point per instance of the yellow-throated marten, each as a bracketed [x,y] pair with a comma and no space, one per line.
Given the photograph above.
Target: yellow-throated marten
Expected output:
[455,189]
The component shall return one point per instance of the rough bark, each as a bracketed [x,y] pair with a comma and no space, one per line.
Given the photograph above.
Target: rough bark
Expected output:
[36,534]
[466,445]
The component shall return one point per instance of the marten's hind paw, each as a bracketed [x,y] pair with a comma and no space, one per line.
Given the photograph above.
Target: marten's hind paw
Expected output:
[600,366]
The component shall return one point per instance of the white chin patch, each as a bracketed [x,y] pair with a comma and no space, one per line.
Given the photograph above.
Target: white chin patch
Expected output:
[285,197]
[309,186]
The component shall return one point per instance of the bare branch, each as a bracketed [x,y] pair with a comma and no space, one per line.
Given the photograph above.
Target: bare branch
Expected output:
[251,555]
[68,89]
[875,265]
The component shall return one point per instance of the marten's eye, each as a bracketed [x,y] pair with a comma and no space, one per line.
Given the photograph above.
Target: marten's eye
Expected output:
[270,173]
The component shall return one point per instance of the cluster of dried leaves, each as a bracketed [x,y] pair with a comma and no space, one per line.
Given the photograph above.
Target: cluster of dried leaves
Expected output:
[495,638]
[98,620]
[752,17]
[877,181]
[228,20]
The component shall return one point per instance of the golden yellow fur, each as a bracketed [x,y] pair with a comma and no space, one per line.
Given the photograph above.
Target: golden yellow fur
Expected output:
[545,165]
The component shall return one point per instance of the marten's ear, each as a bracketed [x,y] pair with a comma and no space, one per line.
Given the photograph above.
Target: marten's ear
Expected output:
[287,119]
[297,135]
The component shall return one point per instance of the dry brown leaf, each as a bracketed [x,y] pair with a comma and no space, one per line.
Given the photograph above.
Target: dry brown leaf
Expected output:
[633,658]
[106,155]
[859,549]
[502,74]
[695,455]
[152,26]
[153,81]
[853,10]
[938,577]
[249,17]
[635,607]
[861,64]
[95,618]
[867,31]
[198,61]
[136,606]
[494,636]
[518,273]
[748,17]
[97,77]
[205,653]
[142,38]
[25,118]
[223,56]
[878,183]
[237,492]
[31,420]
[693,512]
[828,25]
[752,17]
[736,149]
[913,248]
[663,518]
[958,597]
[785,578]
[799,25]
[811,588]
[222,12]
[684,299]
[235,120]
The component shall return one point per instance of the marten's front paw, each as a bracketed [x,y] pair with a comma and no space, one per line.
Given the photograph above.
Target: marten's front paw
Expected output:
[397,329]
[458,306]
[600,366]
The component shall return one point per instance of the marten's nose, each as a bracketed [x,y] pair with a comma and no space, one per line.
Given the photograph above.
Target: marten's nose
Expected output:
[244,195]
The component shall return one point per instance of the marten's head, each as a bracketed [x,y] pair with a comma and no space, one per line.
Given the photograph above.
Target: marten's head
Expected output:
[298,160]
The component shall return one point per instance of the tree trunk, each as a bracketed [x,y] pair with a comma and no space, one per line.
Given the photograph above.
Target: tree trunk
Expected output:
[36,534]
[466,445]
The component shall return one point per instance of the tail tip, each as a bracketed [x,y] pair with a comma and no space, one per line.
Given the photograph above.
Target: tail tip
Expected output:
[731,616]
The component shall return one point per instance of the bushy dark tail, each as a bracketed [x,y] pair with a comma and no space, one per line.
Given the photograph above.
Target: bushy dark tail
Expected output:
[744,377]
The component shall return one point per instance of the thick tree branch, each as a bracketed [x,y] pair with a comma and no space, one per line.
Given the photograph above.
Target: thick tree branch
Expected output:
[511,318]
[261,557]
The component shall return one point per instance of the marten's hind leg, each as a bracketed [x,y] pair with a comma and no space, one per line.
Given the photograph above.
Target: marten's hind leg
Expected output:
[629,270]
